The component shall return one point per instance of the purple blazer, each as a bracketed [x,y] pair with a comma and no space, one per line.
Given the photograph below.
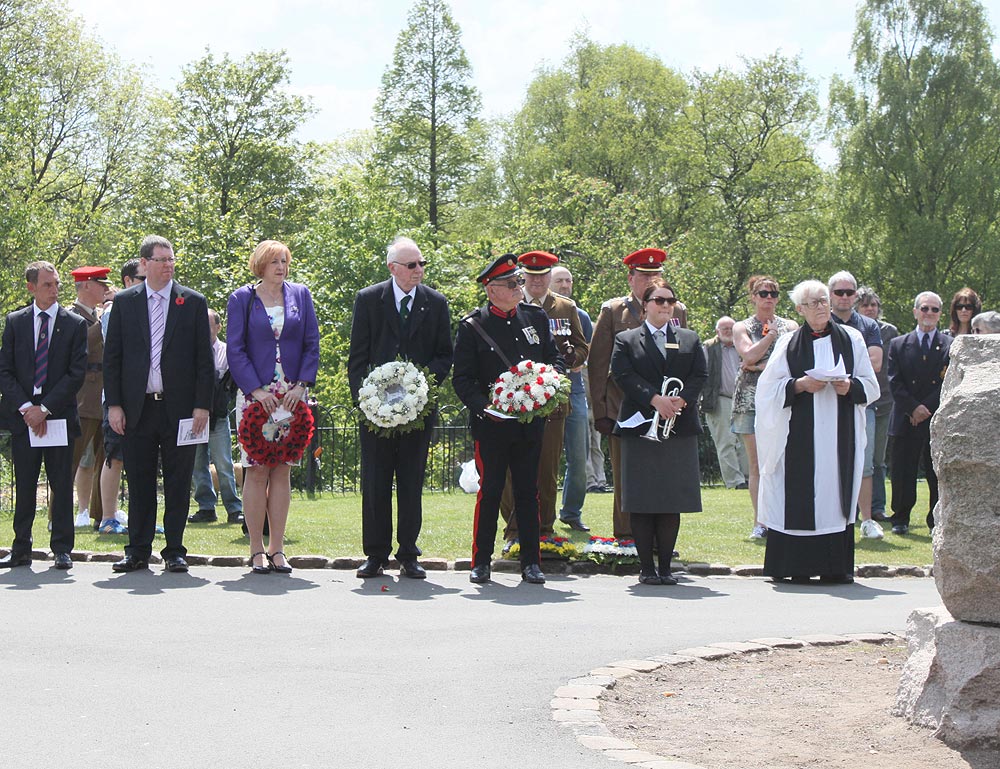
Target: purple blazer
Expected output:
[252,348]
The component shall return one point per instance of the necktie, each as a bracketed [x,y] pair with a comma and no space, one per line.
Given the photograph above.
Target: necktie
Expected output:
[42,351]
[404,310]
[926,344]
[661,341]
[157,322]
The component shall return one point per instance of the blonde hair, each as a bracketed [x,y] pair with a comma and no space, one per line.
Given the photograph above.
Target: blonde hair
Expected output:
[262,255]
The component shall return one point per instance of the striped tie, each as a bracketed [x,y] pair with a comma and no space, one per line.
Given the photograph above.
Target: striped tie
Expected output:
[42,351]
[156,325]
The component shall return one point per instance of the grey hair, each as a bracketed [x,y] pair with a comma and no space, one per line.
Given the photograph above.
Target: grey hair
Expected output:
[987,322]
[719,321]
[398,243]
[919,298]
[839,276]
[867,296]
[805,289]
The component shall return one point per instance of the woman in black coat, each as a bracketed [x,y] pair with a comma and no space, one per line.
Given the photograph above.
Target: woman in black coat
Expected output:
[660,478]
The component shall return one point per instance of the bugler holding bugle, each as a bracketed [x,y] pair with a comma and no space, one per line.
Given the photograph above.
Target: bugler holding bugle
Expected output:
[661,368]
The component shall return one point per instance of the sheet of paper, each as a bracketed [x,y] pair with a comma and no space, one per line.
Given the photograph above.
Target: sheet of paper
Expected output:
[829,375]
[185,435]
[55,434]
[498,414]
[636,420]
[281,414]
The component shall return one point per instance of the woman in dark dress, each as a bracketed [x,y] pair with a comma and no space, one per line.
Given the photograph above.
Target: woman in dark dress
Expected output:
[660,478]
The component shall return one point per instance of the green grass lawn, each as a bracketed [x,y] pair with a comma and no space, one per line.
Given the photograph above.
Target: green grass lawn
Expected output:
[331,526]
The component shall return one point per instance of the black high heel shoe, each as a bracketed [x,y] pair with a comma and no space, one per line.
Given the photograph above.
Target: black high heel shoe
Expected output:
[265,569]
[284,569]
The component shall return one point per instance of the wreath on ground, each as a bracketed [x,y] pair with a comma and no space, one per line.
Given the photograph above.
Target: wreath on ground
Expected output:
[530,391]
[397,397]
[609,551]
[271,443]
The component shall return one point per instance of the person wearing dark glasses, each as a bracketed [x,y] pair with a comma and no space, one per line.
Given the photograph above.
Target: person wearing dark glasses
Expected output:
[843,297]
[917,365]
[965,305]
[754,339]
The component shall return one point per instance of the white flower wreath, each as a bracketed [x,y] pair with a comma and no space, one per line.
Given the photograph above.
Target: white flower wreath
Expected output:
[396,397]
[530,390]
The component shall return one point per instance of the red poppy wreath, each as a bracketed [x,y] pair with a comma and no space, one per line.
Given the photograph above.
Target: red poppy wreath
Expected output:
[289,442]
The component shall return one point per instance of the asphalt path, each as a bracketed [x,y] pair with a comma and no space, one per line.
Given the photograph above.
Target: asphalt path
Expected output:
[223,669]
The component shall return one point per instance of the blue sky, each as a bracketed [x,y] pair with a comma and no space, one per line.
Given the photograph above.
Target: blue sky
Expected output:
[340,48]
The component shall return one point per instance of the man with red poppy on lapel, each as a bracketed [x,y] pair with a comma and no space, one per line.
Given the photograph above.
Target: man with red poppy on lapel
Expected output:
[158,369]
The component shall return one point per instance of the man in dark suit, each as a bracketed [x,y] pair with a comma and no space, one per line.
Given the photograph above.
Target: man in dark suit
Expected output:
[490,340]
[43,360]
[398,318]
[158,369]
[917,365]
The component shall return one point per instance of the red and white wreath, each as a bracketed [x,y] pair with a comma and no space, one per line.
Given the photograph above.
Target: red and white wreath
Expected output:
[530,390]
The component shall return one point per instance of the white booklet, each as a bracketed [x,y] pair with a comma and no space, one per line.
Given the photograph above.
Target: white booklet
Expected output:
[499,414]
[186,435]
[829,375]
[636,420]
[55,434]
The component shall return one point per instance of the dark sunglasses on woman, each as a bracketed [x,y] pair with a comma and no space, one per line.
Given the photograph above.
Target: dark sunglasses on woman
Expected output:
[662,300]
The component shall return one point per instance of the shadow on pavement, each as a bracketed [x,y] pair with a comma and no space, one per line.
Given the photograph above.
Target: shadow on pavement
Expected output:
[145,582]
[266,584]
[852,592]
[28,578]
[404,589]
[684,590]
[520,593]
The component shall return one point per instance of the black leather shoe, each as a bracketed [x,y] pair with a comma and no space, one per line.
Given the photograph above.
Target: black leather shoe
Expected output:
[878,515]
[901,529]
[650,579]
[412,569]
[203,516]
[279,568]
[176,563]
[234,518]
[63,561]
[668,579]
[15,559]
[130,563]
[480,574]
[532,573]
[372,567]
[577,525]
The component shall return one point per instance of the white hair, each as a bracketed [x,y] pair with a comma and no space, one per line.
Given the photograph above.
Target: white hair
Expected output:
[839,276]
[920,298]
[807,288]
[987,322]
[720,321]
[397,244]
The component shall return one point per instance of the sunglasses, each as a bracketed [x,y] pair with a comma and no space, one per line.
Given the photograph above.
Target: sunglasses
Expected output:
[925,308]
[662,300]
[509,284]
[768,294]
[814,303]
[965,307]
[412,265]
[845,291]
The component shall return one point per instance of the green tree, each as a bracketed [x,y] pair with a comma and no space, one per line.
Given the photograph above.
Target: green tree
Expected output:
[920,145]
[426,116]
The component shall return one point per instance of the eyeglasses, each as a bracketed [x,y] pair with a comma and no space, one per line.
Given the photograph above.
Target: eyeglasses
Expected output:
[768,294]
[662,300]
[511,284]
[163,259]
[412,265]
[965,307]
[845,291]
[925,308]
[812,304]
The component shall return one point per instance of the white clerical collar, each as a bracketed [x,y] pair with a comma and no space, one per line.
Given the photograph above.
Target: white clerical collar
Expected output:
[163,292]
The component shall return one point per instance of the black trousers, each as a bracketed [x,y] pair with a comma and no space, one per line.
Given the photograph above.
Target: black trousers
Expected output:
[59,471]
[405,458]
[501,447]
[907,454]
[153,439]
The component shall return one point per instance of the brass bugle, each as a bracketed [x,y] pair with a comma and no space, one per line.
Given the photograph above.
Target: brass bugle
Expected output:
[671,387]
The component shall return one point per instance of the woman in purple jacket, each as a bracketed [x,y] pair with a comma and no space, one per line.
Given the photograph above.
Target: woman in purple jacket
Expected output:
[272,343]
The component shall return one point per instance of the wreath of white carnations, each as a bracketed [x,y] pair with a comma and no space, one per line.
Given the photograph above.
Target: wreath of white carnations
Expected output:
[397,397]
[530,390]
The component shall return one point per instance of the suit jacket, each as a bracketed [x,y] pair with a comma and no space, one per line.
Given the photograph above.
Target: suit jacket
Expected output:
[252,348]
[88,400]
[66,368]
[377,337]
[477,365]
[186,359]
[914,380]
[638,368]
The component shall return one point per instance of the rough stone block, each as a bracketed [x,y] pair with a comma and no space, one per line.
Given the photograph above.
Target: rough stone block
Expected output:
[346,562]
[674,659]
[227,560]
[632,756]
[584,567]
[705,653]
[579,692]
[951,679]
[779,643]
[193,560]
[742,648]
[872,570]
[604,743]
[106,557]
[79,556]
[641,666]
[462,564]
[613,672]
[562,703]
[911,571]
[825,640]
[576,716]
[709,569]
[748,571]
[874,638]
[434,564]
[308,561]
[606,682]
[506,566]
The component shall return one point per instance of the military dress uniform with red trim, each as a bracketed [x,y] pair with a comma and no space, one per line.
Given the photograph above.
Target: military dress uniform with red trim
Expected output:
[521,334]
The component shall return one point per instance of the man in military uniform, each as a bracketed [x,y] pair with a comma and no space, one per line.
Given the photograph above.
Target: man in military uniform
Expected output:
[567,331]
[90,283]
[490,340]
[619,315]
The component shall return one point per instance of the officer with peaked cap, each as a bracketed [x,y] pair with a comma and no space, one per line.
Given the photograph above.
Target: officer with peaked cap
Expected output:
[490,340]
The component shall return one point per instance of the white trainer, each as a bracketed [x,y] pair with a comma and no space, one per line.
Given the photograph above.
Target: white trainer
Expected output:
[759,532]
[871,530]
[82,520]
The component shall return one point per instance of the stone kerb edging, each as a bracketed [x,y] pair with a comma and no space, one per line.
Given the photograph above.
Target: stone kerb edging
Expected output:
[501,566]
[577,704]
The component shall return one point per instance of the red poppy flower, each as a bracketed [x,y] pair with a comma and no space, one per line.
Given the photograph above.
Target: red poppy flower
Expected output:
[179,301]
